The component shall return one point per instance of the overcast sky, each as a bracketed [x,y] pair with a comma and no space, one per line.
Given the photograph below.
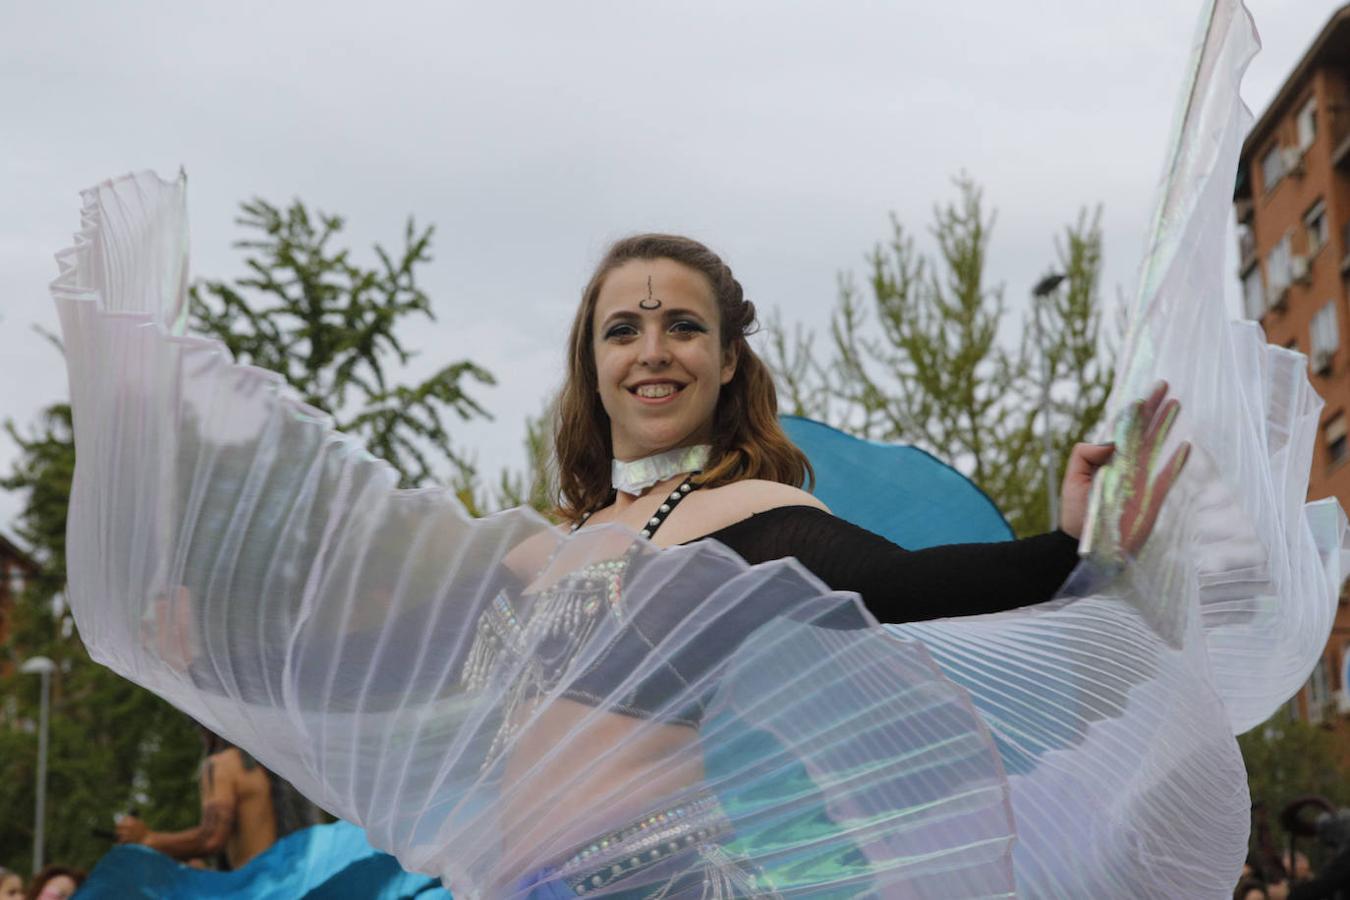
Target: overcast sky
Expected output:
[531,135]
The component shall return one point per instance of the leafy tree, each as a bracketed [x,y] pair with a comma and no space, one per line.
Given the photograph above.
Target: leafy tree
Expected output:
[921,359]
[535,486]
[326,324]
[113,746]
[1288,758]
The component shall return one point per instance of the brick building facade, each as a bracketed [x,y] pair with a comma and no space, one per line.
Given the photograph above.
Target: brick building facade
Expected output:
[1292,201]
[16,569]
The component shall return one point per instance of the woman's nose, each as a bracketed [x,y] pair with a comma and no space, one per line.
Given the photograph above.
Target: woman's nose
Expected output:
[654,351]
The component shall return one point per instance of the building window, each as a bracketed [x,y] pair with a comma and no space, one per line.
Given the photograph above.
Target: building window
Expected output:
[1333,434]
[1272,166]
[1253,294]
[1325,336]
[1246,242]
[16,581]
[1278,274]
[1315,221]
[1307,124]
[1319,691]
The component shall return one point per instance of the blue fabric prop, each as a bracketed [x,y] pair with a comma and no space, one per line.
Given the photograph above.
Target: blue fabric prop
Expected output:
[325,862]
[901,493]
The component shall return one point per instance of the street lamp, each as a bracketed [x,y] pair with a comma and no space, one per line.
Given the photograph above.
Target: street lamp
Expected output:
[1043,289]
[40,665]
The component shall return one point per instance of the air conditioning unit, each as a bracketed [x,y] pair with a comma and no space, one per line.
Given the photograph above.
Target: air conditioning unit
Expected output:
[1321,361]
[1292,157]
[1342,702]
[1298,268]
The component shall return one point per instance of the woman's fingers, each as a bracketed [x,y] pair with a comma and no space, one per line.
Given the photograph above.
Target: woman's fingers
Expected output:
[1161,425]
[1086,459]
[1154,400]
[1144,508]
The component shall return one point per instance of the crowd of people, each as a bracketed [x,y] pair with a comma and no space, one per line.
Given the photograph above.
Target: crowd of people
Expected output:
[50,883]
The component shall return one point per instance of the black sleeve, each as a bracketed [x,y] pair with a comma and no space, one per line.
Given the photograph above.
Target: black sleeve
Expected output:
[899,585]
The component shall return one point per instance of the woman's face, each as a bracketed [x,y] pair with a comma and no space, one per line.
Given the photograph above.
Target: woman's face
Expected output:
[11,887]
[658,356]
[59,888]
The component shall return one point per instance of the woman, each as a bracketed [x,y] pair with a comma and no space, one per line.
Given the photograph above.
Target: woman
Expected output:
[668,426]
[659,364]
[11,885]
[55,883]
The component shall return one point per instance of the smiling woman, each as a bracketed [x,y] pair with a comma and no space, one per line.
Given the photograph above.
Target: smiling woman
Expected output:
[660,362]
[664,316]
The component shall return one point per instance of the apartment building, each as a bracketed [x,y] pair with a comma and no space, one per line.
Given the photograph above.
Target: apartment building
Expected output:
[1292,200]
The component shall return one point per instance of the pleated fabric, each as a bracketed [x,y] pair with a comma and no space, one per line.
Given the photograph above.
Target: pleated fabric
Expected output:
[524,713]
[1114,712]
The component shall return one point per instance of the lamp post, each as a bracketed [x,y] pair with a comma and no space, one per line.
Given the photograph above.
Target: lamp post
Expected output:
[40,665]
[1043,289]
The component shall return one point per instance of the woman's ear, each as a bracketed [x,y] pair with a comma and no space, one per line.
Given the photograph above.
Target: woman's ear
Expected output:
[730,357]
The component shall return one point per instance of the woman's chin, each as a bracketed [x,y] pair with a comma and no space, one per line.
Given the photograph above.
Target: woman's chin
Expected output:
[653,442]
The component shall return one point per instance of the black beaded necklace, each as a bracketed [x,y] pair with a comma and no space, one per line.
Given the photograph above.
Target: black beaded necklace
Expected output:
[662,512]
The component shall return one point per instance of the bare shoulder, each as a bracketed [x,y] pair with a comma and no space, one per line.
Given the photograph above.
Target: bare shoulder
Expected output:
[530,555]
[712,509]
[754,495]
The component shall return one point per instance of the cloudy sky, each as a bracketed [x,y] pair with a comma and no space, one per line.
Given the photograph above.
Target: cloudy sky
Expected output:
[531,135]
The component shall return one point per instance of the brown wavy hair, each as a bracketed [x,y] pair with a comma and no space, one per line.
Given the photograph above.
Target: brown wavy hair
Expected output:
[747,442]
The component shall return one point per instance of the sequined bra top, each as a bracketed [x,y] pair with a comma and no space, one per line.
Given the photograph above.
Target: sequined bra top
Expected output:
[896,585]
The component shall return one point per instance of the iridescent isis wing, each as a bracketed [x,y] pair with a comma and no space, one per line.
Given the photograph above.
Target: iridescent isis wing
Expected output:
[1114,708]
[1266,562]
[494,703]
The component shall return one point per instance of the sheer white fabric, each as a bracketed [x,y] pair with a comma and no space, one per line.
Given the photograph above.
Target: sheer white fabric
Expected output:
[511,709]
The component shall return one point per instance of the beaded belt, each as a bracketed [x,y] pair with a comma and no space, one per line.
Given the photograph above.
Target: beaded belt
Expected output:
[649,841]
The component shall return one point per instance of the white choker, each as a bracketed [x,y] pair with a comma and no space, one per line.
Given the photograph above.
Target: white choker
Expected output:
[637,475]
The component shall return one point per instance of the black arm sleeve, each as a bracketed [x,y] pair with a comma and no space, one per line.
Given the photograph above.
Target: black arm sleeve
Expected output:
[899,585]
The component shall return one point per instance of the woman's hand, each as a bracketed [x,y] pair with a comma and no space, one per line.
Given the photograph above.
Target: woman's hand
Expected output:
[131,830]
[1129,492]
[1076,492]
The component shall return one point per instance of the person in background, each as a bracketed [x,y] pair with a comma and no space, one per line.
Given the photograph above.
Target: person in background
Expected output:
[55,883]
[1250,888]
[238,821]
[1298,867]
[11,885]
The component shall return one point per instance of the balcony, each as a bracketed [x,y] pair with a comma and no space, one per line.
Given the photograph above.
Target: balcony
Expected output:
[1340,137]
[1246,248]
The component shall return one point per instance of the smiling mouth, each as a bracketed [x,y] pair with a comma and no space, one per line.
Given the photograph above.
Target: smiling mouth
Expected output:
[656,391]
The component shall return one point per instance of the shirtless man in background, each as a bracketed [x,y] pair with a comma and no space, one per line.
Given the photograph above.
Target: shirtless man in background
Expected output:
[237,815]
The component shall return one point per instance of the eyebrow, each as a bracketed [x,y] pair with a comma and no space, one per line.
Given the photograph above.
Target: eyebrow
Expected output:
[629,316]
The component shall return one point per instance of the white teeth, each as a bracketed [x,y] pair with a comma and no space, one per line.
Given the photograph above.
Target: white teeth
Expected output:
[655,390]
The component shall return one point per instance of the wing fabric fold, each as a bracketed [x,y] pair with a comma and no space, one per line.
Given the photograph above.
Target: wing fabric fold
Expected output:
[1114,712]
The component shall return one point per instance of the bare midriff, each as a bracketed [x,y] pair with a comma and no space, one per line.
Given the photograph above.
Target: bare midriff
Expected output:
[621,768]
